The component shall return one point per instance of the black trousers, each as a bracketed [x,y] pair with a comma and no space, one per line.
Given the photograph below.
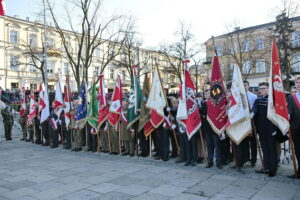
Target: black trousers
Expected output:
[242,152]
[164,143]
[67,136]
[182,148]
[173,143]
[225,150]
[92,139]
[54,137]
[296,141]
[191,148]
[268,146]
[45,131]
[253,148]
[143,143]
[213,144]
[155,140]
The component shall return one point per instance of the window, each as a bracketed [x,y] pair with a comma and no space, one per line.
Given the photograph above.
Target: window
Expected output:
[232,49]
[123,75]
[66,68]
[296,63]
[231,68]
[50,42]
[111,73]
[50,66]
[13,35]
[296,39]
[14,85]
[97,52]
[31,66]
[32,40]
[68,46]
[246,67]
[96,71]
[219,50]
[260,66]
[14,62]
[259,43]
[245,46]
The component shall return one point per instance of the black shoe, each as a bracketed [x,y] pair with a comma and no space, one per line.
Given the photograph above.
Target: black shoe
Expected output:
[253,164]
[209,165]
[187,163]
[132,154]
[261,171]
[38,142]
[200,160]
[125,154]
[94,150]
[165,159]
[193,164]
[173,155]
[89,149]
[114,153]
[179,161]
[293,176]
[45,144]
[77,149]
[272,174]
[66,147]
[22,139]
[156,158]
[53,146]
[219,166]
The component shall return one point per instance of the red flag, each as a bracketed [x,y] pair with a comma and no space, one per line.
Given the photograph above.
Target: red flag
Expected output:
[116,105]
[216,104]
[2,7]
[32,108]
[67,102]
[41,102]
[23,102]
[277,106]
[58,102]
[188,112]
[103,106]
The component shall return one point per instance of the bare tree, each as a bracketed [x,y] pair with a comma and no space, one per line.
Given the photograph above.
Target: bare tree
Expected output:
[185,48]
[91,33]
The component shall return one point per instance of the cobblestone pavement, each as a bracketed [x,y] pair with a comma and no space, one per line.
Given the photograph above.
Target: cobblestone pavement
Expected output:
[29,171]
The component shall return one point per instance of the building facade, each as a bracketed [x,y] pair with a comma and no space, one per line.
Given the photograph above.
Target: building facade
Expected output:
[250,49]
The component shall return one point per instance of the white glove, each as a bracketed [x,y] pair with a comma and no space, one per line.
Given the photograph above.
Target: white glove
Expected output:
[132,130]
[173,126]
[106,127]
[251,115]
[168,109]
[164,124]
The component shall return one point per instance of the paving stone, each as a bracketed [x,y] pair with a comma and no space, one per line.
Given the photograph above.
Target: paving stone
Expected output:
[184,196]
[104,188]
[239,191]
[168,190]
[124,180]
[114,196]
[47,185]
[16,185]
[151,196]
[18,193]
[3,190]
[81,194]
[134,189]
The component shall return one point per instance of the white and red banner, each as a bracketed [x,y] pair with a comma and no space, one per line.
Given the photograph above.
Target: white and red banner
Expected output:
[23,102]
[67,102]
[41,103]
[46,111]
[32,108]
[2,7]
[156,101]
[239,122]
[188,113]
[58,101]
[116,104]
[103,106]
[277,106]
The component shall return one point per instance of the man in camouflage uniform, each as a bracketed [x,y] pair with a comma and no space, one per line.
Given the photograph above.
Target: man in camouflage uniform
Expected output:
[104,137]
[126,135]
[114,138]
[76,133]
[30,129]
[8,120]
[23,121]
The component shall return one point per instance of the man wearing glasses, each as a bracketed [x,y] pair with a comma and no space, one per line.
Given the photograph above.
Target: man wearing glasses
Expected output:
[266,130]
[294,112]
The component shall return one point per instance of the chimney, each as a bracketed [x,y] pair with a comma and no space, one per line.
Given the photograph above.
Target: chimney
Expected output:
[27,18]
[236,28]
[16,16]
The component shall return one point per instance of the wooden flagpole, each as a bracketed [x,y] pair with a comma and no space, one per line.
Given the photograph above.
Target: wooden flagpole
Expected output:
[108,137]
[119,128]
[98,139]
[258,146]
[293,153]
[150,145]
[202,144]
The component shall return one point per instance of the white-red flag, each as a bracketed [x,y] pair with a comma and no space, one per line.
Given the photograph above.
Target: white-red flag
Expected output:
[239,122]
[156,101]
[58,101]
[277,106]
[32,108]
[67,102]
[103,106]
[46,111]
[116,104]
[23,102]
[188,113]
[2,7]
[41,103]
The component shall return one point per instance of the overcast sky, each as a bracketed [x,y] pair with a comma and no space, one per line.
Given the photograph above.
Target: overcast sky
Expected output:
[158,19]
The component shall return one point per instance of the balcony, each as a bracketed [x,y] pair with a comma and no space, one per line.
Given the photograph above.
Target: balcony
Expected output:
[295,70]
[207,60]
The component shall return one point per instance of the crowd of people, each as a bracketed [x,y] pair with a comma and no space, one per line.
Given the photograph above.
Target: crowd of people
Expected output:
[171,141]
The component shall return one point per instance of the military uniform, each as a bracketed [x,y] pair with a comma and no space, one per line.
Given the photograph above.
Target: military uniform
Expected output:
[114,138]
[30,129]
[38,134]
[8,120]
[77,136]
[53,129]
[23,121]
[103,138]
[127,136]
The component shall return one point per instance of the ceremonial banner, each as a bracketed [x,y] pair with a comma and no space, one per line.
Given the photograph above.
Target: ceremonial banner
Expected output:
[58,101]
[41,103]
[188,113]
[216,104]
[81,117]
[277,106]
[93,109]
[134,99]
[144,121]
[239,123]
[67,102]
[116,104]
[2,7]
[23,102]
[46,111]
[32,108]
[103,106]
[156,101]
